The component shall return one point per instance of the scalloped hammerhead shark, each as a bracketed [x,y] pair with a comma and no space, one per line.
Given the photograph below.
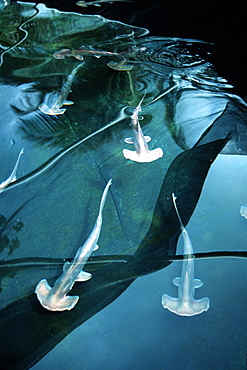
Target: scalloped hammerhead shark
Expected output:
[186,304]
[56,298]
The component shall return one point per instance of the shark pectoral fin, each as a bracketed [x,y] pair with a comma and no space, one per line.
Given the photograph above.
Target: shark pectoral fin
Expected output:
[147,138]
[79,57]
[66,266]
[83,276]
[42,290]
[176,281]
[170,303]
[68,102]
[129,140]
[197,283]
[96,247]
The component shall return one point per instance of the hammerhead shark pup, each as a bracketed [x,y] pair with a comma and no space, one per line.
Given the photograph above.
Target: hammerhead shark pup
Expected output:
[55,107]
[185,304]
[56,299]
[142,153]
[84,4]
[12,176]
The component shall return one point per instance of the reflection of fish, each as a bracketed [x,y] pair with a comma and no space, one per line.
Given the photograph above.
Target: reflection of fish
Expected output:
[243,211]
[54,107]
[12,176]
[80,53]
[185,304]
[84,4]
[55,299]
[142,152]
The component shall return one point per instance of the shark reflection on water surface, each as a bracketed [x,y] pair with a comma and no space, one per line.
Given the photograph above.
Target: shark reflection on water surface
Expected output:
[56,299]
[186,304]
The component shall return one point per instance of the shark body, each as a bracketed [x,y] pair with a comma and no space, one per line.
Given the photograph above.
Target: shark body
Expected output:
[55,298]
[55,107]
[142,153]
[186,304]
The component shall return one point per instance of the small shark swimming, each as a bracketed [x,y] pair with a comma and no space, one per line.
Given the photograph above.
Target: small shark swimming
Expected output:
[55,107]
[56,298]
[12,176]
[81,52]
[98,3]
[186,304]
[142,153]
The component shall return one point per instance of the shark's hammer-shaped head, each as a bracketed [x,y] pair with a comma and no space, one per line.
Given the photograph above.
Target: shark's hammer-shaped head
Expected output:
[143,157]
[51,301]
[51,111]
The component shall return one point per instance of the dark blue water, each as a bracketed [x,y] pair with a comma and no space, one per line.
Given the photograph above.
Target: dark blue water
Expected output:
[136,331]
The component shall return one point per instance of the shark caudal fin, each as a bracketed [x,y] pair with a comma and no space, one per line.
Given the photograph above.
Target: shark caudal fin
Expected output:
[52,302]
[181,308]
[52,112]
[145,157]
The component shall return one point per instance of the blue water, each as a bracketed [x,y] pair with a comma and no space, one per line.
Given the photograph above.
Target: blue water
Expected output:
[135,331]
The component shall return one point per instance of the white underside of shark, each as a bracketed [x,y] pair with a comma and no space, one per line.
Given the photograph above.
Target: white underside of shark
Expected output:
[142,153]
[55,298]
[186,304]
